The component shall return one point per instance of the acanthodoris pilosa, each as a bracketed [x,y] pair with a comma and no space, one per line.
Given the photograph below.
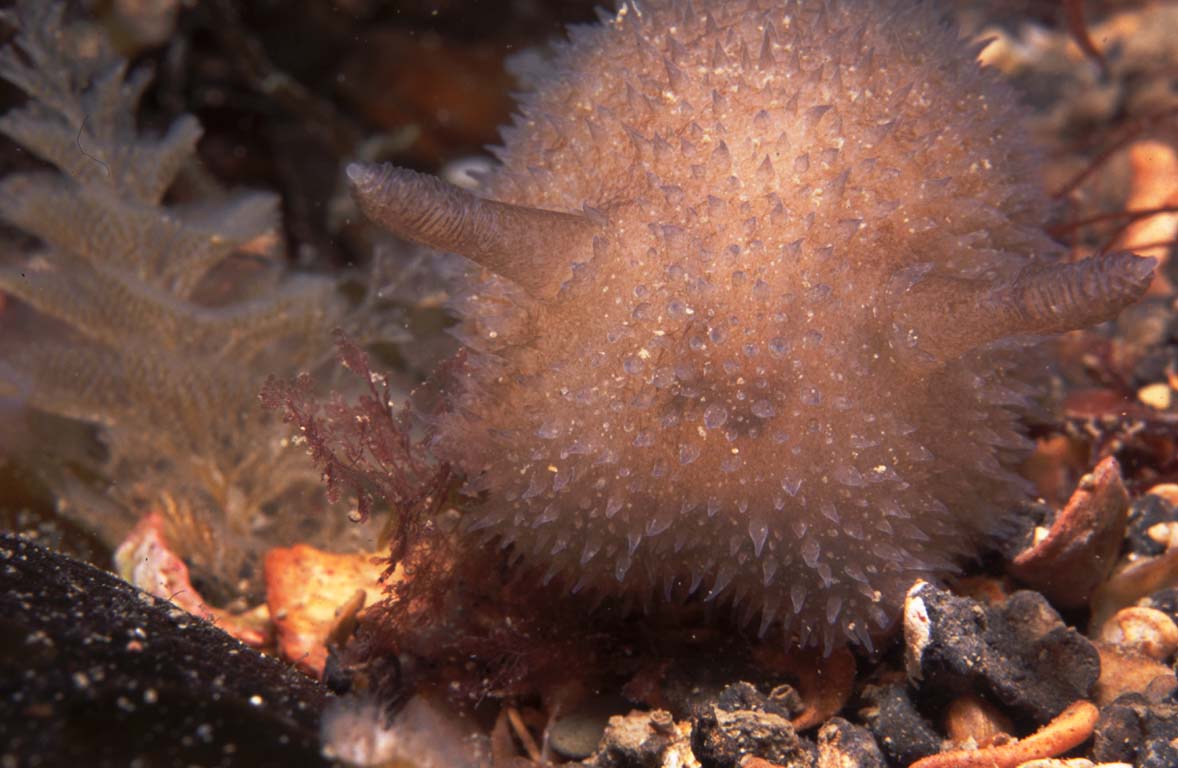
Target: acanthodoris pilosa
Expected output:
[754,273]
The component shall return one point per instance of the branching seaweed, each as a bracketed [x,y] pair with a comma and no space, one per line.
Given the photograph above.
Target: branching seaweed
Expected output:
[157,322]
[365,448]
[472,618]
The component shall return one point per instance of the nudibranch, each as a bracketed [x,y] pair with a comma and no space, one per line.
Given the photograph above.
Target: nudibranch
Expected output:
[755,277]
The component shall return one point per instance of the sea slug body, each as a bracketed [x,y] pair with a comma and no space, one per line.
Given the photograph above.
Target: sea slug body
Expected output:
[751,273]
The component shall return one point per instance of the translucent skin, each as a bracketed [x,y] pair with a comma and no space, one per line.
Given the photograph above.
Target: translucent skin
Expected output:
[762,355]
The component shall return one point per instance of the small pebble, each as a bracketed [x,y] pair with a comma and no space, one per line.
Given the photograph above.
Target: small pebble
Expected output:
[577,735]
[1145,631]
[841,743]
[971,721]
[1145,514]
[1157,396]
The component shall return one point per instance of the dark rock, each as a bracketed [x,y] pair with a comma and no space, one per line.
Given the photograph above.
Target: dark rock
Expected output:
[638,740]
[743,696]
[1132,730]
[1020,536]
[336,677]
[1120,732]
[1146,512]
[1160,752]
[841,743]
[94,672]
[1017,652]
[898,727]
[742,722]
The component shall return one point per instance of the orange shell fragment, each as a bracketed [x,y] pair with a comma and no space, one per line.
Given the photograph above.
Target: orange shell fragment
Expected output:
[1080,550]
[306,590]
[145,560]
